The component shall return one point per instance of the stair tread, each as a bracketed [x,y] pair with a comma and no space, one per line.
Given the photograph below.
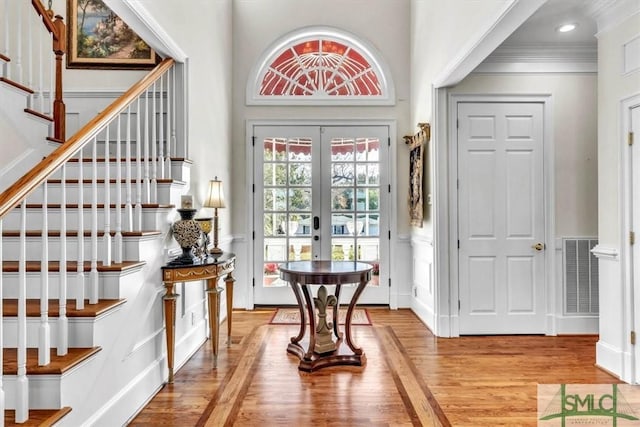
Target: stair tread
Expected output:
[115,159]
[38,114]
[4,58]
[113,181]
[74,233]
[59,364]
[37,417]
[99,205]
[10,307]
[34,266]
[16,85]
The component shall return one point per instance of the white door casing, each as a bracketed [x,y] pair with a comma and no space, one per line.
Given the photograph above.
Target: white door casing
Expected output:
[501,218]
[632,133]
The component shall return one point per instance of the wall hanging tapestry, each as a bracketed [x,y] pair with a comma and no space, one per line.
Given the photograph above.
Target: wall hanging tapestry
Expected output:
[417,144]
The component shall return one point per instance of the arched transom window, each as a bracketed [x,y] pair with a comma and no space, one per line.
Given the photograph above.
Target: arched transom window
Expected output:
[320,65]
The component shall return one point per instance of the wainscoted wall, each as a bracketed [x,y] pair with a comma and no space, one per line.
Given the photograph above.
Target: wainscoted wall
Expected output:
[401,273]
[612,350]
[423,289]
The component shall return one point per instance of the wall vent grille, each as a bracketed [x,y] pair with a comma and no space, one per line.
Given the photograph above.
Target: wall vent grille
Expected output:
[580,268]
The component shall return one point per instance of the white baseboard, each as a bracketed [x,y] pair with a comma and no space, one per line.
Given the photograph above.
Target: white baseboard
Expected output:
[425,314]
[576,325]
[609,358]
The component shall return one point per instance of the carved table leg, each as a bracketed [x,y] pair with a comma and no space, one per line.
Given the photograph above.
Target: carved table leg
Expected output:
[213,299]
[311,312]
[336,313]
[170,323]
[303,320]
[352,304]
[229,281]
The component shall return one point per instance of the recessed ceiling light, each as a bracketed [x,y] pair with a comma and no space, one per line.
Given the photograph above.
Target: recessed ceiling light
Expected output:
[565,28]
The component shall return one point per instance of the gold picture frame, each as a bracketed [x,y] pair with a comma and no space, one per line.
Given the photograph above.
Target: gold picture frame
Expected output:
[99,39]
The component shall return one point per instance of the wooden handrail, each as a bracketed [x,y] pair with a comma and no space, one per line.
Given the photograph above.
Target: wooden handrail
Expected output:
[15,194]
[46,19]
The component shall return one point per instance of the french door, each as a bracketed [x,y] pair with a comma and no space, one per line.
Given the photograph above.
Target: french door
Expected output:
[321,192]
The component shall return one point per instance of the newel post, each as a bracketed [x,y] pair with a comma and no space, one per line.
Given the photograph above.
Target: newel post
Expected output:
[59,109]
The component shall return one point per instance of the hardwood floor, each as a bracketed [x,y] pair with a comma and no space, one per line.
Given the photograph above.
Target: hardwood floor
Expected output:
[411,378]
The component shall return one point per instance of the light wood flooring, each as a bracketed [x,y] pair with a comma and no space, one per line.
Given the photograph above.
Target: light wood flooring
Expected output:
[411,378]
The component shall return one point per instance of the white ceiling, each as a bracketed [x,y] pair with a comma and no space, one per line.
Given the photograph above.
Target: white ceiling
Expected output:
[540,28]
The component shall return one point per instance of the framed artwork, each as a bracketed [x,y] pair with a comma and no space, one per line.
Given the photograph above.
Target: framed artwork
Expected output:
[99,39]
[416,145]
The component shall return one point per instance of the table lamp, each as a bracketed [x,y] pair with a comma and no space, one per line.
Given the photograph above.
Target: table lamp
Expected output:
[215,200]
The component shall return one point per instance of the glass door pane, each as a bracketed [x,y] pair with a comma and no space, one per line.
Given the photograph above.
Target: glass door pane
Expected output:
[355,208]
[283,202]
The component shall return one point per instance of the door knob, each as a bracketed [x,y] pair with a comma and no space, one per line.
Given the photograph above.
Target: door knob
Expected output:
[316,238]
[538,246]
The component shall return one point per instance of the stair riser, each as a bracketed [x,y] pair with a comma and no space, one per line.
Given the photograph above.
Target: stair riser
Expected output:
[111,285]
[167,193]
[152,219]
[179,170]
[134,247]
[80,332]
[47,391]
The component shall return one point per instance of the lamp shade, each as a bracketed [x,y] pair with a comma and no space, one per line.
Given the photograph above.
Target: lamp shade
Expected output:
[215,195]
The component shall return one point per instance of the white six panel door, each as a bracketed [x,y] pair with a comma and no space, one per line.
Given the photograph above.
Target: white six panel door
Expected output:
[501,225]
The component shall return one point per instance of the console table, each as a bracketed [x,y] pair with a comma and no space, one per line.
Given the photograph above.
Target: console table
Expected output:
[322,350]
[211,270]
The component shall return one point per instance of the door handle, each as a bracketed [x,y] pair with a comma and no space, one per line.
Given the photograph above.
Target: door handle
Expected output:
[538,246]
[316,223]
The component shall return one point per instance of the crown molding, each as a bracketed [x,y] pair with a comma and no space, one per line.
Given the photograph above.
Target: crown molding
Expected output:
[542,58]
[556,52]
[611,13]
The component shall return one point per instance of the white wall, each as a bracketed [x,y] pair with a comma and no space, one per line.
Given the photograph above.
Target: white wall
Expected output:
[613,349]
[257,24]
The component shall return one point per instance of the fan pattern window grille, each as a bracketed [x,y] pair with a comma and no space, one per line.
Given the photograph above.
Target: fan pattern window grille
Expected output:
[321,67]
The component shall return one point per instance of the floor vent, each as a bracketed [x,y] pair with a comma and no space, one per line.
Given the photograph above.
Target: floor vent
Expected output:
[580,276]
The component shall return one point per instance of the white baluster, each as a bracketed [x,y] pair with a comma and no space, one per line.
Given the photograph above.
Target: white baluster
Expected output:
[154,150]
[147,182]
[18,68]
[44,343]
[80,223]
[107,201]
[93,276]
[161,141]
[63,322]
[6,69]
[52,86]
[127,154]
[40,65]
[2,404]
[167,122]
[138,209]
[22,382]
[173,116]
[118,236]
[30,58]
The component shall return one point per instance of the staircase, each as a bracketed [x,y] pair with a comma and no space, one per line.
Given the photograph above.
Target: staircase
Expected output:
[82,237]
